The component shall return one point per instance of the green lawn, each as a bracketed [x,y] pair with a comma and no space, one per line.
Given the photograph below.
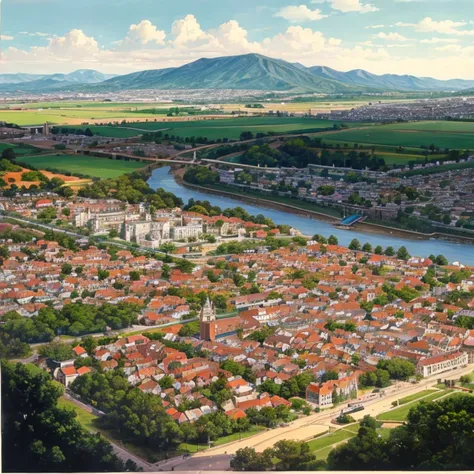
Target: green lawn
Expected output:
[85,418]
[455,135]
[193,448]
[401,413]
[83,165]
[330,439]
[416,396]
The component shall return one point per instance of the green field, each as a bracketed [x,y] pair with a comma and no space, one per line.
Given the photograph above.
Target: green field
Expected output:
[82,165]
[214,129]
[19,150]
[401,413]
[442,134]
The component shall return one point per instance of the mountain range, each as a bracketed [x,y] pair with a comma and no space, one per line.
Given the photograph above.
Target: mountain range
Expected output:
[244,72]
[49,82]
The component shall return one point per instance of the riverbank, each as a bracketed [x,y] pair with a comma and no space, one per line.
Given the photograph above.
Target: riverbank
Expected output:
[367,227]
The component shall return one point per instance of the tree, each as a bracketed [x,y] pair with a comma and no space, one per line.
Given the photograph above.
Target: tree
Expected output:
[437,436]
[354,245]
[378,250]
[398,369]
[333,240]
[329,375]
[220,302]
[402,253]
[4,252]
[367,247]
[168,247]
[293,456]
[185,266]
[9,154]
[247,459]
[39,436]
[355,359]
[389,251]
[103,274]
[66,268]
[57,351]
[134,275]
[364,452]
[441,260]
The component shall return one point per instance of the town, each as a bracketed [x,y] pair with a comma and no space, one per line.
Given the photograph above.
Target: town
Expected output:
[266,334]
[236,237]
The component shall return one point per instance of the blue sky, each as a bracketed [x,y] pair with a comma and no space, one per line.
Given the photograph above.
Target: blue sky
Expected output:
[420,37]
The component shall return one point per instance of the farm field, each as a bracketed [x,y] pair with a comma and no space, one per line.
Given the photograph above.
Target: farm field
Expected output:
[75,116]
[214,129]
[84,165]
[442,134]
[439,126]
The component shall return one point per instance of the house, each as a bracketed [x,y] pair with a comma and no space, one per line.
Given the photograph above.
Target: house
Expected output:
[67,375]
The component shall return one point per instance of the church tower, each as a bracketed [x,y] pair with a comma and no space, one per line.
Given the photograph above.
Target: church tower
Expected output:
[207,324]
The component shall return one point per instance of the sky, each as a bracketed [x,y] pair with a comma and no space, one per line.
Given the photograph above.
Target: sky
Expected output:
[429,38]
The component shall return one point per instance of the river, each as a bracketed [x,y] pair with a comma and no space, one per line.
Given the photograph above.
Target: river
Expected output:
[454,252]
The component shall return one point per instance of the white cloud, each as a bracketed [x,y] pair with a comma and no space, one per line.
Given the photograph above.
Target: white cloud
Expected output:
[299,13]
[233,37]
[6,38]
[187,31]
[444,27]
[456,49]
[144,33]
[375,27]
[36,33]
[390,36]
[439,40]
[352,6]
[73,44]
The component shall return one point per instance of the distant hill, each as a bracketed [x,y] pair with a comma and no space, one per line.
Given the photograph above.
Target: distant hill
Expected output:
[359,77]
[49,82]
[18,78]
[244,72]
[249,71]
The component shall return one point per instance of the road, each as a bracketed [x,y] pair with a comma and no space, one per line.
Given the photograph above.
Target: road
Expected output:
[308,427]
